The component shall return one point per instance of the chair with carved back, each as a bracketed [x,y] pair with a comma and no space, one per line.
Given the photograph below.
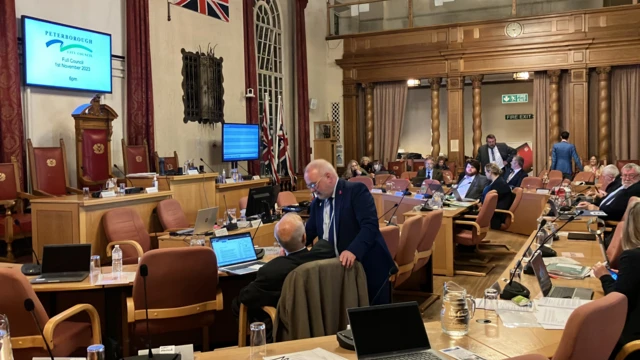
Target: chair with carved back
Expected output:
[14,223]
[136,158]
[171,163]
[397,167]
[447,177]
[587,177]
[48,166]
[417,165]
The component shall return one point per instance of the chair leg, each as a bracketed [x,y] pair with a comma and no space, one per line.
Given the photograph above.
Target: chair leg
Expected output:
[242,326]
[468,270]
[493,248]
[205,338]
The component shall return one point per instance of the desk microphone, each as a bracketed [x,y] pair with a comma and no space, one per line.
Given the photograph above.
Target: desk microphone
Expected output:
[384,190]
[29,269]
[30,306]
[210,168]
[392,271]
[230,225]
[126,179]
[388,211]
[398,206]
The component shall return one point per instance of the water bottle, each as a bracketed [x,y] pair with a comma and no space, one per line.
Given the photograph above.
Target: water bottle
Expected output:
[224,176]
[116,262]
[5,339]
[161,166]
[155,182]
[423,189]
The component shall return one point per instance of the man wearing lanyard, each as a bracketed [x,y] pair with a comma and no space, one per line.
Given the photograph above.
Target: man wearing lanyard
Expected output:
[344,214]
[615,203]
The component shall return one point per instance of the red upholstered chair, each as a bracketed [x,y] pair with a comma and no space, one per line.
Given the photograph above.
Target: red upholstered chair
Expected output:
[194,298]
[593,329]
[531,183]
[391,235]
[555,174]
[511,218]
[428,182]
[64,337]
[615,246]
[408,175]
[473,236]
[397,167]
[447,176]
[362,179]
[553,183]
[14,223]
[400,184]
[49,175]
[170,163]
[242,204]
[171,215]
[417,165]
[585,177]
[286,198]
[410,237]
[621,163]
[136,158]
[124,227]
[381,179]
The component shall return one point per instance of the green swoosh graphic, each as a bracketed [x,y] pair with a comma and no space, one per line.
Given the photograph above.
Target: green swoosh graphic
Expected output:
[74,46]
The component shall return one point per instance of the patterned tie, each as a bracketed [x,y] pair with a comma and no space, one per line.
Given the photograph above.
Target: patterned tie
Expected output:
[429,175]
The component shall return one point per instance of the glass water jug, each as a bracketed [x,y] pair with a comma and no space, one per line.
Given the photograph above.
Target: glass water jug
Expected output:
[455,314]
[5,340]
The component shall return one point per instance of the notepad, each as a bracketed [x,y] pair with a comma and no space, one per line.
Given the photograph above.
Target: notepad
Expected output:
[315,354]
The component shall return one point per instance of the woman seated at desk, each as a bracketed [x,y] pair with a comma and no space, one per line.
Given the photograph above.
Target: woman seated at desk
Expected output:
[505,196]
[628,282]
[353,170]
[594,167]
[441,163]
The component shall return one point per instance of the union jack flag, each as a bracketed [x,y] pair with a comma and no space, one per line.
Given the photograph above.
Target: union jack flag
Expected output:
[284,160]
[218,9]
[267,142]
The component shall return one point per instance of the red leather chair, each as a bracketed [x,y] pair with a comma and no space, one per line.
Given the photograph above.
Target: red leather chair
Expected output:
[124,227]
[428,182]
[517,197]
[136,158]
[65,338]
[170,163]
[555,174]
[171,215]
[286,198]
[447,176]
[410,236]
[531,183]
[49,175]
[400,184]
[14,223]
[553,183]
[381,179]
[391,235]
[362,179]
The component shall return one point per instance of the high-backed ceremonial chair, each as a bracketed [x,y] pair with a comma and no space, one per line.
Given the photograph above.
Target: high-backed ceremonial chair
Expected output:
[381,179]
[400,184]
[171,163]
[531,183]
[408,175]
[124,227]
[397,167]
[391,236]
[585,177]
[287,198]
[136,158]
[463,235]
[14,223]
[171,215]
[48,166]
[417,165]
[447,177]
[194,292]
[65,337]
[363,179]
[553,183]
[555,174]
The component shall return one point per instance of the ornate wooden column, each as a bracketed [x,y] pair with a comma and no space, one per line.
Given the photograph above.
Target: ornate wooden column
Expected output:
[435,116]
[554,107]
[368,120]
[579,111]
[603,112]
[476,84]
[350,136]
[455,123]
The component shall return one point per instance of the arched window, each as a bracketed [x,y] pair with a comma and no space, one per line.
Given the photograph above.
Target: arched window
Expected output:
[269,56]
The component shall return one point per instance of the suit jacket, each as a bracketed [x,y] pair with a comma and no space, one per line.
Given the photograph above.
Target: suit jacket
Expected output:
[561,156]
[516,180]
[505,199]
[477,186]
[436,174]
[357,230]
[506,152]
[616,208]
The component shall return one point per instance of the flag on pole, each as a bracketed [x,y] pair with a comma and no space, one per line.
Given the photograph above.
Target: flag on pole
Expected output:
[267,142]
[217,9]
[284,160]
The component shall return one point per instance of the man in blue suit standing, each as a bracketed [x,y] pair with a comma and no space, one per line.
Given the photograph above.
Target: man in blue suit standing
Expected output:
[344,214]
[562,154]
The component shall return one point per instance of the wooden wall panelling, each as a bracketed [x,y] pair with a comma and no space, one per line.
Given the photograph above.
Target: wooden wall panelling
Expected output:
[351,141]
[455,122]
[554,107]
[579,113]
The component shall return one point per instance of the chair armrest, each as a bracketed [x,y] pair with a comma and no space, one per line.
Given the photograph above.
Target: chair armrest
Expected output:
[271,311]
[50,326]
[470,216]
[7,203]
[628,349]
[612,223]
[471,223]
[42,193]
[87,181]
[125,242]
[512,215]
[74,190]
[131,310]
[24,195]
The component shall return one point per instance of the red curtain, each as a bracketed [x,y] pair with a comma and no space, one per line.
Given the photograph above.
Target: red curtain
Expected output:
[139,84]
[302,85]
[11,126]
[251,73]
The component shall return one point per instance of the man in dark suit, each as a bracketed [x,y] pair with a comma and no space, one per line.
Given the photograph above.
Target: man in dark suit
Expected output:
[344,214]
[471,183]
[515,176]
[266,288]
[561,156]
[495,152]
[615,203]
[505,196]
[429,172]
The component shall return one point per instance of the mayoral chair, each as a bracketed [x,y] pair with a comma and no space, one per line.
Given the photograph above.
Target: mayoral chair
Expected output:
[171,163]
[136,158]
[14,223]
[49,175]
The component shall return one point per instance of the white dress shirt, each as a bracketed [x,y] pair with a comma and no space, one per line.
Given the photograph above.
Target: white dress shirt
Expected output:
[464,185]
[328,217]
[428,173]
[513,174]
[611,196]
[495,157]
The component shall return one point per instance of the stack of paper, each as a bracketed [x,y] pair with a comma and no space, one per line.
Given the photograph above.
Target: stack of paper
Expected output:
[553,313]
[126,277]
[568,271]
[315,354]
[504,305]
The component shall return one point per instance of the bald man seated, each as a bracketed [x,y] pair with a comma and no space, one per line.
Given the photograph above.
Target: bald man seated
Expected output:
[266,288]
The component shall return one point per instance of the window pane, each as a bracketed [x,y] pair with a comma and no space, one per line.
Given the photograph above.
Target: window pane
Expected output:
[377,16]
[427,13]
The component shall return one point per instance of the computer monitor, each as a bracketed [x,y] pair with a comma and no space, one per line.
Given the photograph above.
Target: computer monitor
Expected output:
[261,200]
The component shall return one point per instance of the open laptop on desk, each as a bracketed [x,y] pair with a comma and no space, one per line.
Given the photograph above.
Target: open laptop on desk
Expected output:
[205,221]
[236,254]
[394,331]
[548,290]
[64,263]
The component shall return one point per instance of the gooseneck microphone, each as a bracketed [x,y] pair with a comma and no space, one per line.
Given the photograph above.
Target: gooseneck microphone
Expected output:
[30,307]
[384,190]
[392,271]
[397,206]
[388,211]
[230,225]
[126,179]
[29,269]
[210,168]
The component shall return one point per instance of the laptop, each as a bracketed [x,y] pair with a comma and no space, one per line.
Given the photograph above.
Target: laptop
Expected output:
[548,290]
[236,254]
[460,198]
[205,220]
[64,263]
[394,331]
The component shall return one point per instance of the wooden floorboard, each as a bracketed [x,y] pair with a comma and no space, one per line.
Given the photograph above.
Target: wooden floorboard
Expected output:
[476,285]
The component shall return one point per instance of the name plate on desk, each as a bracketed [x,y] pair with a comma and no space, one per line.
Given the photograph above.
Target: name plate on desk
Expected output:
[192,172]
[221,232]
[229,181]
[151,190]
[256,177]
[108,194]
[418,197]
[376,191]
[398,193]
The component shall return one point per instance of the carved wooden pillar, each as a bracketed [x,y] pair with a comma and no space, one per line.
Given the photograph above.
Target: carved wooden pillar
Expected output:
[350,136]
[603,112]
[476,82]
[455,123]
[554,107]
[368,120]
[435,116]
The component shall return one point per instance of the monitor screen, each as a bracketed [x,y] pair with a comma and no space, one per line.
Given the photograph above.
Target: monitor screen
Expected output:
[66,57]
[240,142]
[233,249]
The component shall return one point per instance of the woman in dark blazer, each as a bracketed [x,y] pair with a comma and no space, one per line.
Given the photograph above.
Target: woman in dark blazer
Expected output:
[628,282]
[505,196]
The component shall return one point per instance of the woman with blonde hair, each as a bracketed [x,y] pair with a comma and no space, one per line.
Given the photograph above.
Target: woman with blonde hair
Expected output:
[593,166]
[353,170]
[628,279]
[366,164]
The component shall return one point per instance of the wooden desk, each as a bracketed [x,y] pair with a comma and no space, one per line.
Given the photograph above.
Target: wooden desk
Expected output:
[526,216]
[72,220]
[233,193]
[193,192]
[263,238]
[577,225]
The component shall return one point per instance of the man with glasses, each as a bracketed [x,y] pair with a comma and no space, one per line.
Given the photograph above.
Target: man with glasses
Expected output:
[344,214]
[615,203]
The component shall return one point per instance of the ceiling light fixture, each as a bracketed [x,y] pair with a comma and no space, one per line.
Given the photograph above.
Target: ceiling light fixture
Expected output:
[521,76]
[413,82]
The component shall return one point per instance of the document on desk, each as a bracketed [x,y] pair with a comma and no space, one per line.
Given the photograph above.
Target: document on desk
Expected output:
[552,318]
[460,353]
[504,305]
[561,303]
[109,279]
[518,319]
[315,354]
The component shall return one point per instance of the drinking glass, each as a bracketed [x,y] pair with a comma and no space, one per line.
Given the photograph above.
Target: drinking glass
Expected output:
[94,269]
[394,220]
[232,213]
[122,188]
[221,222]
[491,299]
[6,352]
[389,186]
[85,193]
[258,340]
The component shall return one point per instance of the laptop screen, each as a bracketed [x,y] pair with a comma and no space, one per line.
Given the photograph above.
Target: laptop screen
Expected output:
[540,269]
[233,249]
[388,329]
[66,258]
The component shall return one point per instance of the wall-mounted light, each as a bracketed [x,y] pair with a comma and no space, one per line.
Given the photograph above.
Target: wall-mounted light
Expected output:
[413,82]
[521,76]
